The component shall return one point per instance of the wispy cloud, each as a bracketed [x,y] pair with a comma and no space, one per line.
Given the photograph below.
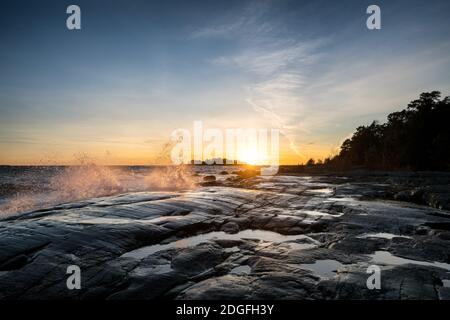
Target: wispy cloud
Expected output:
[272,57]
[242,20]
[277,66]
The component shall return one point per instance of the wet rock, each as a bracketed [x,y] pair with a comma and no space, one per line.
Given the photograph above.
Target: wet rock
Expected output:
[150,287]
[423,230]
[209,178]
[226,287]
[320,235]
[14,263]
[193,261]
[248,173]
[230,227]
[409,195]
[437,197]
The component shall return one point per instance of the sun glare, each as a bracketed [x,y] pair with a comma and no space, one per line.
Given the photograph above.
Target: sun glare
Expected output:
[251,156]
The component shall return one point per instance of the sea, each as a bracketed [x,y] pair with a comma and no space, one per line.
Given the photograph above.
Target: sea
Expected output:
[30,188]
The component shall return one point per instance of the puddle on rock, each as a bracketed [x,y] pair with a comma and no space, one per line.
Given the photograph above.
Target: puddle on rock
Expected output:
[320,213]
[382,235]
[220,235]
[323,268]
[387,258]
[241,270]
[320,191]
[341,199]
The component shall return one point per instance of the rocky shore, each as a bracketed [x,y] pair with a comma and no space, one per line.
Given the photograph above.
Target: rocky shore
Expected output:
[239,237]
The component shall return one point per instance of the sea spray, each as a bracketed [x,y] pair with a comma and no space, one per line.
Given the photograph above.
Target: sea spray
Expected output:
[51,186]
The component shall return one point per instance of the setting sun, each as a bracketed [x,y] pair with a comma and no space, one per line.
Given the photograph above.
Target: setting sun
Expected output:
[251,156]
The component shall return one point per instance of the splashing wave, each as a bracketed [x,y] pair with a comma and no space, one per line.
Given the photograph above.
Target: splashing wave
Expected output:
[47,187]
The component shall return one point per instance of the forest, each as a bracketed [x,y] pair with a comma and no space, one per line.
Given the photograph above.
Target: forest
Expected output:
[416,138]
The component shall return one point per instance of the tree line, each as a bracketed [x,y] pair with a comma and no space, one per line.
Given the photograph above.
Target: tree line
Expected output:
[416,138]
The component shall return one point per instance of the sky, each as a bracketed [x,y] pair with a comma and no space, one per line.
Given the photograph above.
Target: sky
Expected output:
[115,90]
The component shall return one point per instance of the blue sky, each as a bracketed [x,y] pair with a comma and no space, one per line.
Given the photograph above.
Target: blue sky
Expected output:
[137,70]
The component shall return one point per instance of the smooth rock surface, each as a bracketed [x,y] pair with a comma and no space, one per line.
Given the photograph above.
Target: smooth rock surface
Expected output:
[281,237]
